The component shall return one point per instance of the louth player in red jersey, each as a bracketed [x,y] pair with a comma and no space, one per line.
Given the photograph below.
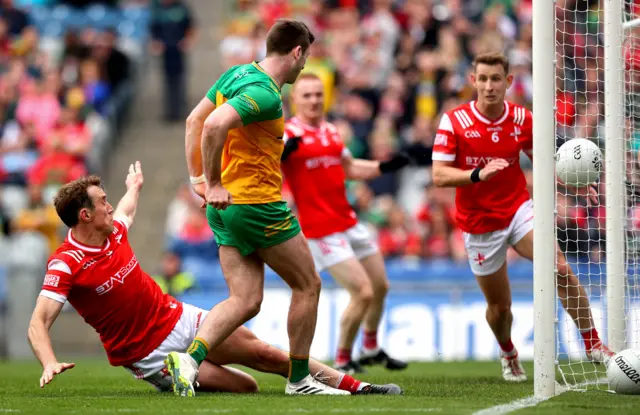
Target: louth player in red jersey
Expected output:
[96,270]
[477,150]
[316,163]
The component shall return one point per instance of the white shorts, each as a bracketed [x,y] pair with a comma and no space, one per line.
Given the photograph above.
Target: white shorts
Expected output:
[340,246]
[487,252]
[152,368]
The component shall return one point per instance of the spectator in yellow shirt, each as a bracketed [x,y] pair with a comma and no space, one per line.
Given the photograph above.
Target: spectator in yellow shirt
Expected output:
[171,280]
[39,216]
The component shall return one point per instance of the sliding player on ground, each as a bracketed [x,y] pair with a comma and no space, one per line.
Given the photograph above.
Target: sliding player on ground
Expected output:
[233,145]
[477,150]
[316,163]
[96,270]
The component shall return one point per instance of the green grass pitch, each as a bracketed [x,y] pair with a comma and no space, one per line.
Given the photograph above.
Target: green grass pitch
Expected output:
[93,387]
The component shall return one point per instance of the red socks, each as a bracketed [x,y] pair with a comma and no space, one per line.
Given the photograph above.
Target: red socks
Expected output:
[343,356]
[370,341]
[507,347]
[590,337]
[347,383]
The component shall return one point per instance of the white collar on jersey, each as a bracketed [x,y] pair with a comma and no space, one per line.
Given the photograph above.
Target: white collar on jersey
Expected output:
[300,124]
[77,244]
[485,119]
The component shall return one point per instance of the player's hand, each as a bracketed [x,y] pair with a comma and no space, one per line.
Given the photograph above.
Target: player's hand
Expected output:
[590,192]
[290,146]
[217,196]
[135,179]
[492,168]
[53,369]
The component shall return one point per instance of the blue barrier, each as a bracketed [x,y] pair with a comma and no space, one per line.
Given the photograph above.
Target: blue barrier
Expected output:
[418,273]
[425,325]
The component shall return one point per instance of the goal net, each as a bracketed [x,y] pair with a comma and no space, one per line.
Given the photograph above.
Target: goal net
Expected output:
[597,97]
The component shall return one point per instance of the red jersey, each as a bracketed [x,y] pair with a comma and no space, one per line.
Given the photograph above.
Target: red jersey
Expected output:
[316,178]
[468,139]
[109,289]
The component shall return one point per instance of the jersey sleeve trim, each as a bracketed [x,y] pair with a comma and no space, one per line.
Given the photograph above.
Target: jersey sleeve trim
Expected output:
[346,153]
[123,223]
[59,265]
[445,123]
[54,296]
[438,156]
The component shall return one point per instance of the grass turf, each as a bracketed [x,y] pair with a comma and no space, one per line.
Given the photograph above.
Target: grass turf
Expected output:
[93,387]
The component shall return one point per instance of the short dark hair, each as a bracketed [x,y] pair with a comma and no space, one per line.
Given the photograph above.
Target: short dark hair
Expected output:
[286,34]
[492,58]
[73,197]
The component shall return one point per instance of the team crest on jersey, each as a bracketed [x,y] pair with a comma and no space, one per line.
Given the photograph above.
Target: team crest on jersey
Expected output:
[516,133]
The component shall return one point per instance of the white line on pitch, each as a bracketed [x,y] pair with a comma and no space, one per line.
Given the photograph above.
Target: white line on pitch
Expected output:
[511,406]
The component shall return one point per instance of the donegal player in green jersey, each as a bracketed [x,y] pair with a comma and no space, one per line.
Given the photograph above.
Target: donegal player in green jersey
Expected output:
[233,145]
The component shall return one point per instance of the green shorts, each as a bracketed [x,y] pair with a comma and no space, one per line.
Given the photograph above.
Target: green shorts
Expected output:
[249,227]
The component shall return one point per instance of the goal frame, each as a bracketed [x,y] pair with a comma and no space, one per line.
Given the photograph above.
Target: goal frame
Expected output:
[544,133]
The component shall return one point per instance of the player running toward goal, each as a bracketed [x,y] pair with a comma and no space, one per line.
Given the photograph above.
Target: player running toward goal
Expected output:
[233,145]
[316,163]
[96,270]
[477,149]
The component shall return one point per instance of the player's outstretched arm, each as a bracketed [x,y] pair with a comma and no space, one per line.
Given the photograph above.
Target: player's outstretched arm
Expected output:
[193,143]
[126,209]
[445,175]
[361,169]
[44,314]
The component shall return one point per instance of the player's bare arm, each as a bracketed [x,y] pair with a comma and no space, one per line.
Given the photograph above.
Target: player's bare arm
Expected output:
[44,314]
[446,175]
[193,143]
[360,169]
[126,209]
[214,135]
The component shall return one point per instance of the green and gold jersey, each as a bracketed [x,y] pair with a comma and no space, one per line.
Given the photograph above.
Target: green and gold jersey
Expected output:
[251,156]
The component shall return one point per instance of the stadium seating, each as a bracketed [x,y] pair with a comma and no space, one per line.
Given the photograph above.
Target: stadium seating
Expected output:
[53,21]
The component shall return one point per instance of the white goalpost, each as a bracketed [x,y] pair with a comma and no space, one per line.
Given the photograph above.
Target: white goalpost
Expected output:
[586,86]
[544,289]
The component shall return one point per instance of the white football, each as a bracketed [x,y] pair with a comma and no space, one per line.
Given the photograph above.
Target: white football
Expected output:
[623,372]
[578,162]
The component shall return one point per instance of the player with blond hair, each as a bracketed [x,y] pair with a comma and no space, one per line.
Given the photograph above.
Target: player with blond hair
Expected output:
[316,164]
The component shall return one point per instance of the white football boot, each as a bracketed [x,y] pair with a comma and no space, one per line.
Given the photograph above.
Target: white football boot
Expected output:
[600,353]
[184,372]
[310,386]
[512,370]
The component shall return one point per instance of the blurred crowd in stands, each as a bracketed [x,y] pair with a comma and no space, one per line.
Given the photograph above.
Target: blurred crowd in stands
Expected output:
[66,80]
[390,69]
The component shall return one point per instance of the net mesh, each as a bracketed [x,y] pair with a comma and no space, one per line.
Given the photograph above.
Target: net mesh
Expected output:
[580,113]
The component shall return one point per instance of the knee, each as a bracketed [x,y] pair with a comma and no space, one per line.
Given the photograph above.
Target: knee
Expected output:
[499,309]
[381,289]
[312,285]
[250,305]
[249,385]
[363,295]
